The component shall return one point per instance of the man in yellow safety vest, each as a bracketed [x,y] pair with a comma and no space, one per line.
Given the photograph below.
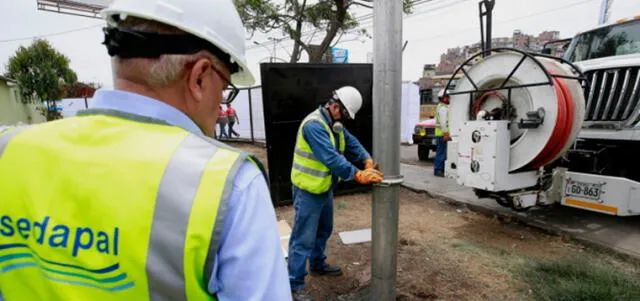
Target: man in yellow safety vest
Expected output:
[322,156]
[132,200]
[442,133]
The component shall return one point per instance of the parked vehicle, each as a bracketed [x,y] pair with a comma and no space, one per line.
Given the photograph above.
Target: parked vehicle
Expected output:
[424,135]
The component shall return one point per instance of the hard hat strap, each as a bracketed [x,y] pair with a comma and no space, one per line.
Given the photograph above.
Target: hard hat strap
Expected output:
[127,43]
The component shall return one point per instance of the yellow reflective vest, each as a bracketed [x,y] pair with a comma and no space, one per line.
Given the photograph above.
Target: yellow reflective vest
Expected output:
[307,172]
[439,132]
[104,207]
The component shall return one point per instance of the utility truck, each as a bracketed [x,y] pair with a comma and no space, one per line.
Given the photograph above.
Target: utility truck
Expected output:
[531,129]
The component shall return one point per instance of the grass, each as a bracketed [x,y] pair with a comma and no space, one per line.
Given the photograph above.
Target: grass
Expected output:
[579,280]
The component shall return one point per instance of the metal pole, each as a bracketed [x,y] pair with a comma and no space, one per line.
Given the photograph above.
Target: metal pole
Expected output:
[251,115]
[482,45]
[387,83]
[489,4]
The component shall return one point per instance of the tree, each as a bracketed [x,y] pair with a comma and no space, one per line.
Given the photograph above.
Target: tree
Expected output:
[41,71]
[332,17]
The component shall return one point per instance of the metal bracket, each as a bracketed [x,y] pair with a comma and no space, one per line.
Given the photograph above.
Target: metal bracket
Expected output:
[391,181]
[533,121]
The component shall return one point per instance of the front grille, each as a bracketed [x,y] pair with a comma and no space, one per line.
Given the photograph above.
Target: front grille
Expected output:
[613,95]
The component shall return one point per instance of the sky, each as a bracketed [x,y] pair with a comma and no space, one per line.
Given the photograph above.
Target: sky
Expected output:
[434,27]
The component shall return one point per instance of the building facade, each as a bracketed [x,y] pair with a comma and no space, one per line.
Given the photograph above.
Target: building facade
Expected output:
[14,109]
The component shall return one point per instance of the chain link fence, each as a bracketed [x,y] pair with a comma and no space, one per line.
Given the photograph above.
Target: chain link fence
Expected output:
[248,106]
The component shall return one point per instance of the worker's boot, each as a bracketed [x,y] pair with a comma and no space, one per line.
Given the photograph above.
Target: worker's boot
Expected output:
[301,295]
[327,270]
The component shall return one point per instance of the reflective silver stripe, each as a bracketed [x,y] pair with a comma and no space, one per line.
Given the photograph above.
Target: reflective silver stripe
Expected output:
[309,171]
[304,154]
[177,191]
[214,244]
[6,137]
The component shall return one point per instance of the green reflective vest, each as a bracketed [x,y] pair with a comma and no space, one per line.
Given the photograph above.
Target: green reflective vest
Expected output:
[307,172]
[439,132]
[103,207]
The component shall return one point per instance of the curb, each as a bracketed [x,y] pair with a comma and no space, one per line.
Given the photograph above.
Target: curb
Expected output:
[523,219]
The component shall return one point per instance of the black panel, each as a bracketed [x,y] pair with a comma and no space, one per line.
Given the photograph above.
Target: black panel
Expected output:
[289,93]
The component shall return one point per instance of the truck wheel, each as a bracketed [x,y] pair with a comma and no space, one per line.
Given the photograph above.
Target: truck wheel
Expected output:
[423,153]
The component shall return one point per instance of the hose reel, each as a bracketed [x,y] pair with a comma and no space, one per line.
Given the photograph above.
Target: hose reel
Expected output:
[541,96]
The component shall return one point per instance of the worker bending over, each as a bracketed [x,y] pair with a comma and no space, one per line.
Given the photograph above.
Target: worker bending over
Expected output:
[442,133]
[323,152]
[131,200]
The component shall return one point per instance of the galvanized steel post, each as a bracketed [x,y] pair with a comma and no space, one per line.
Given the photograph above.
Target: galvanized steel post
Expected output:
[387,84]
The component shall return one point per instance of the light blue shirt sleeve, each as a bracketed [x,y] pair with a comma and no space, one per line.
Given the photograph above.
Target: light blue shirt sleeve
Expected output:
[250,263]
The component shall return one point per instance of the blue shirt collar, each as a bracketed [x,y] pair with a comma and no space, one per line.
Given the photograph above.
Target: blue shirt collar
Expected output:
[324,115]
[145,106]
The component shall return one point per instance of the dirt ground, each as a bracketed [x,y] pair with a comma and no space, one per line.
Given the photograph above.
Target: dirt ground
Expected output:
[445,252]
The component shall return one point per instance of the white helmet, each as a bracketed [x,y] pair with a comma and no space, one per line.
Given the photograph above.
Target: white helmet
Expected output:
[216,21]
[350,98]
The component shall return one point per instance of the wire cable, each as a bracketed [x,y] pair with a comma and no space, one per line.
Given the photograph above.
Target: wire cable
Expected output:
[52,34]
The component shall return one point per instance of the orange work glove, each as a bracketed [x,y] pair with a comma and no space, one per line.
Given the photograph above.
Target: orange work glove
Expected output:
[370,164]
[369,176]
[446,137]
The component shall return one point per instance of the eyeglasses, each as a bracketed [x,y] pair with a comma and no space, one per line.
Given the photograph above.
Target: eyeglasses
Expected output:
[343,110]
[230,93]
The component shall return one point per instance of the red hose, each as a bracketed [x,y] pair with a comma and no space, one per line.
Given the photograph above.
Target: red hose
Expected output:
[483,98]
[563,128]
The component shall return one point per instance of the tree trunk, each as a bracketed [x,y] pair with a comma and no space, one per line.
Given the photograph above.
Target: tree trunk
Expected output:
[315,56]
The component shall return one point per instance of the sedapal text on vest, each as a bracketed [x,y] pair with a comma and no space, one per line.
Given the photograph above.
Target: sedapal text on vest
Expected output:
[76,239]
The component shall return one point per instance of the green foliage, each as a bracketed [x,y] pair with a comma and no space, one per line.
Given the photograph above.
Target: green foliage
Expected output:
[40,71]
[330,17]
[580,280]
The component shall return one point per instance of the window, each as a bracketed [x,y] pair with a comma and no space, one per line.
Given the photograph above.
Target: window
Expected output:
[426,97]
[608,41]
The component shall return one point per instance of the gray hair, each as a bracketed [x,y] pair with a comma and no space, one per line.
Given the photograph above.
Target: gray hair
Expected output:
[165,70]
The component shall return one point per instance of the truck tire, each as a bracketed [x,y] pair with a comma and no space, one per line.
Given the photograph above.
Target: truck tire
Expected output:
[423,152]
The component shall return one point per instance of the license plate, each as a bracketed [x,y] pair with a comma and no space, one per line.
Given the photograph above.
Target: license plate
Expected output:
[423,132]
[583,190]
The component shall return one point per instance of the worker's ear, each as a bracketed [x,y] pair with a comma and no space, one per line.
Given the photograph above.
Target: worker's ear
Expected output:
[198,79]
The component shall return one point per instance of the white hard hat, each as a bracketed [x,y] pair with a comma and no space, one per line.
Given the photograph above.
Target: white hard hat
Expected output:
[350,98]
[216,21]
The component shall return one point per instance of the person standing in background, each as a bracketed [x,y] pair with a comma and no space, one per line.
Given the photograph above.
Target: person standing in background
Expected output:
[232,116]
[442,133]
[222,121]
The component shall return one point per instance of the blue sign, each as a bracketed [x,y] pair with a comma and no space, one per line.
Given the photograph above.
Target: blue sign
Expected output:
[340,55]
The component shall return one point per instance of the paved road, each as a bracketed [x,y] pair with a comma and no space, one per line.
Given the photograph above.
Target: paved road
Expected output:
[619,233]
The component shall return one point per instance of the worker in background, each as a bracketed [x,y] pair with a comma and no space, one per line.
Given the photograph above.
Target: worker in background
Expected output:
[131,200]
[222,121]
[323,154]
[232,116]
[442,133]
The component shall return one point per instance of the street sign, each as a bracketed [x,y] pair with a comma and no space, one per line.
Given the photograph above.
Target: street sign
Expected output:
[340,55]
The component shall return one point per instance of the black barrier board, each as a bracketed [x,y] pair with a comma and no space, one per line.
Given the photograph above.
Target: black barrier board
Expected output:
[289,93]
